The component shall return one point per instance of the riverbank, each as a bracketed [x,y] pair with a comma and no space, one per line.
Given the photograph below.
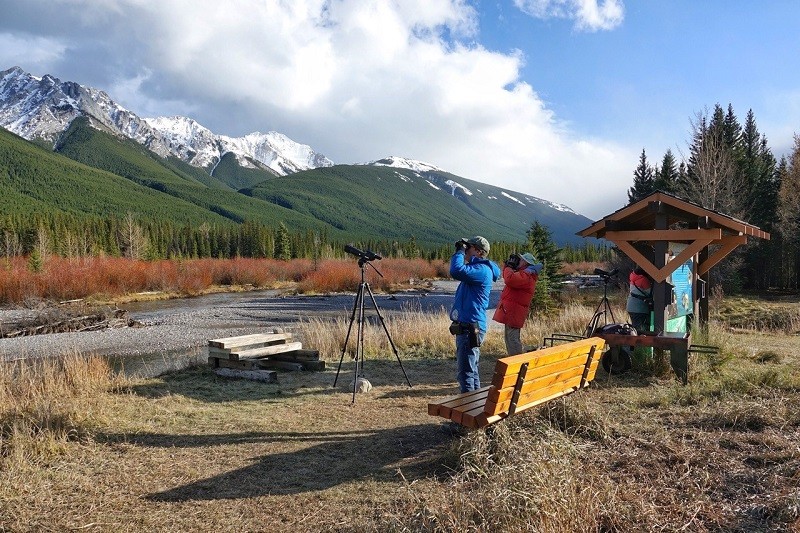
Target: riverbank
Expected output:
[179,329]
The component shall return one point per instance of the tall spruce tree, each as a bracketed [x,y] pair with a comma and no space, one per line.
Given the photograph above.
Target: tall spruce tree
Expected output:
[790,216]
[666,178]
[541,245]
[283,246]
[643,180]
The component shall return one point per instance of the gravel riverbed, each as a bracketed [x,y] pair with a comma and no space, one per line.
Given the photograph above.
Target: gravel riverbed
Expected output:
[184,326]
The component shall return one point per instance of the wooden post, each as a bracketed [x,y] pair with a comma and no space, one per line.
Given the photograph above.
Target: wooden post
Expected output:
[704,291]
[659,289]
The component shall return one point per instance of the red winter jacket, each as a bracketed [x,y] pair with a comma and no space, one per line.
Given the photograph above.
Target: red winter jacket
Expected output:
[516,297]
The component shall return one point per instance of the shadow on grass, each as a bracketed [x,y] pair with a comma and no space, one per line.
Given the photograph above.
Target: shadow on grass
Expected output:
[200,383]
[338,458]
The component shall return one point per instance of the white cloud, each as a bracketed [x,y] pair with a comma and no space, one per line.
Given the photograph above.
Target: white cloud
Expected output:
[589,15]
[40,52]
[355,79]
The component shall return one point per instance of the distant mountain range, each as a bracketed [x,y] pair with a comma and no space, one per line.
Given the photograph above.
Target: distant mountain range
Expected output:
[265,177]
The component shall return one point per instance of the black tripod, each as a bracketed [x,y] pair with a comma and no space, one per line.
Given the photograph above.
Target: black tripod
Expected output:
[603,309]
[358,305]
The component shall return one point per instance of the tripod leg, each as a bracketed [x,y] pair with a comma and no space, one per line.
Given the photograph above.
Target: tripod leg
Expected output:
[383,323]
[359,368]
[347,338]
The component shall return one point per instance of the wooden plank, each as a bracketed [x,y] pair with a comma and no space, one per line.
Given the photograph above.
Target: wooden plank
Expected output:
[220,362]
[484,419]
[511,365]
[267,376]
[277,365]
[656,341]
[316,366]
[470,418]
[265,350]
[564,378]
[297,356]
[500,381]
[248,340]
[454,401]
[457,413]
[219,352]
[478,396]
[563,387]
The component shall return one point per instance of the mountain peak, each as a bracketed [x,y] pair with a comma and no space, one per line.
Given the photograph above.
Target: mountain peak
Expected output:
[44,107]
[404,162]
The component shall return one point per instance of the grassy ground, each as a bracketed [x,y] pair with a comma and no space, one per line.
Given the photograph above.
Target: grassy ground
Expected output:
[86,450]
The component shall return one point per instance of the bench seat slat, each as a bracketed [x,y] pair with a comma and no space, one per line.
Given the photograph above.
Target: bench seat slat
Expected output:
[439,408]
[457,414]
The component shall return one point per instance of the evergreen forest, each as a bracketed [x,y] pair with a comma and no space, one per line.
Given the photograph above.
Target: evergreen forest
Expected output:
[730,168]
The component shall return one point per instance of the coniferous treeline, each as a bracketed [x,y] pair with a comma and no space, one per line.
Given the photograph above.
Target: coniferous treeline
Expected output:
[132,236]
[731,169]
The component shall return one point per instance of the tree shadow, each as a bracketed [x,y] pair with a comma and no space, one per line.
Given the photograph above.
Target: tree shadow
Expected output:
[338,458]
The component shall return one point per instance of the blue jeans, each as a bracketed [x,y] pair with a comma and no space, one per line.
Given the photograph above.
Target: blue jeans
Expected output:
[467,362]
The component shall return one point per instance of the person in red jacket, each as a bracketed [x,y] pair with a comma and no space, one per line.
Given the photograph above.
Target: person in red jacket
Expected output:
[515,300]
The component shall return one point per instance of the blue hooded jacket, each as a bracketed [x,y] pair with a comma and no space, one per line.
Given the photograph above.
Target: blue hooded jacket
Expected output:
[472,295]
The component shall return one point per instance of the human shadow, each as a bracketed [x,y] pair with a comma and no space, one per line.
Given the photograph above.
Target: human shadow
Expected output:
[337,458]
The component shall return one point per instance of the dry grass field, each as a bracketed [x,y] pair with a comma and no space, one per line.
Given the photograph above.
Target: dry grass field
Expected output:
[84,449]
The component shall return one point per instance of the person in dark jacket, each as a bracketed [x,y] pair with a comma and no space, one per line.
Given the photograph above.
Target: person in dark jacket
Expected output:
[640,297]
[515,300]
[476,273]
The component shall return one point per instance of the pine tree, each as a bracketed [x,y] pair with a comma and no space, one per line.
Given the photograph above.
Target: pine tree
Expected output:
[790,215]
[541,245]
[643,180]
[283,247]
[666,179]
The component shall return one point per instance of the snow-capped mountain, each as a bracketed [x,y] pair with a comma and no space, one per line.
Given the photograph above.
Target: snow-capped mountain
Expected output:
[423,170]
[44,107]
[402,162]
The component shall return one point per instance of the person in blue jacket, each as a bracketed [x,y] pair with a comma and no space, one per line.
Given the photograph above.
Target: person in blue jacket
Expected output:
[476,273]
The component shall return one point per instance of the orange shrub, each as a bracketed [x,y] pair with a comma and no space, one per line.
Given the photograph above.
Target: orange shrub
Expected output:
[72,278]
[333,276]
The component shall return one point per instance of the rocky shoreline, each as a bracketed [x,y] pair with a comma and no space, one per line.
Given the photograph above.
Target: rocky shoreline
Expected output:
[184,326]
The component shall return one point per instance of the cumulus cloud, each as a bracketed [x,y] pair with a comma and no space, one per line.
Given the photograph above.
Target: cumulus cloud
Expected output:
[589,15]
[355,79]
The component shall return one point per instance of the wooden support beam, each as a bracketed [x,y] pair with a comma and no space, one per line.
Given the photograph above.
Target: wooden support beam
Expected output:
[674,235]
[661,274]
[728,244]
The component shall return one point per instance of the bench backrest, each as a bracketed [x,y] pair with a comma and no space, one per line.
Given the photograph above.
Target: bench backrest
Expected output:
[524,380]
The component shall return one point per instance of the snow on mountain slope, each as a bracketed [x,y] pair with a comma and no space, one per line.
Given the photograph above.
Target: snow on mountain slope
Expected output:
[44,107]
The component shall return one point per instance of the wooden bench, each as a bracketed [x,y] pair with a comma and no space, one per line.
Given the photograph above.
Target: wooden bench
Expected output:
[524,381]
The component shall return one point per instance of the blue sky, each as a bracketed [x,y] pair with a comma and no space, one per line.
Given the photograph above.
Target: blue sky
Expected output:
[551,98]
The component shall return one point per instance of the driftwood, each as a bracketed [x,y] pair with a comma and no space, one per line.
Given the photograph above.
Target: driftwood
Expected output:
[61,322]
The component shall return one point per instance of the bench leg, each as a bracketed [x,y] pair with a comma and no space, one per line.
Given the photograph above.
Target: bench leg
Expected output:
[679,360]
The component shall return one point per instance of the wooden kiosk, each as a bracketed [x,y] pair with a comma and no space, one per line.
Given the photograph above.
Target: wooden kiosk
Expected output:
[649,232]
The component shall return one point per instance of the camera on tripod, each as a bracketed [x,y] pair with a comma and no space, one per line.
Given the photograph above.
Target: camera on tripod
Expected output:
[363,255]
[606,276]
